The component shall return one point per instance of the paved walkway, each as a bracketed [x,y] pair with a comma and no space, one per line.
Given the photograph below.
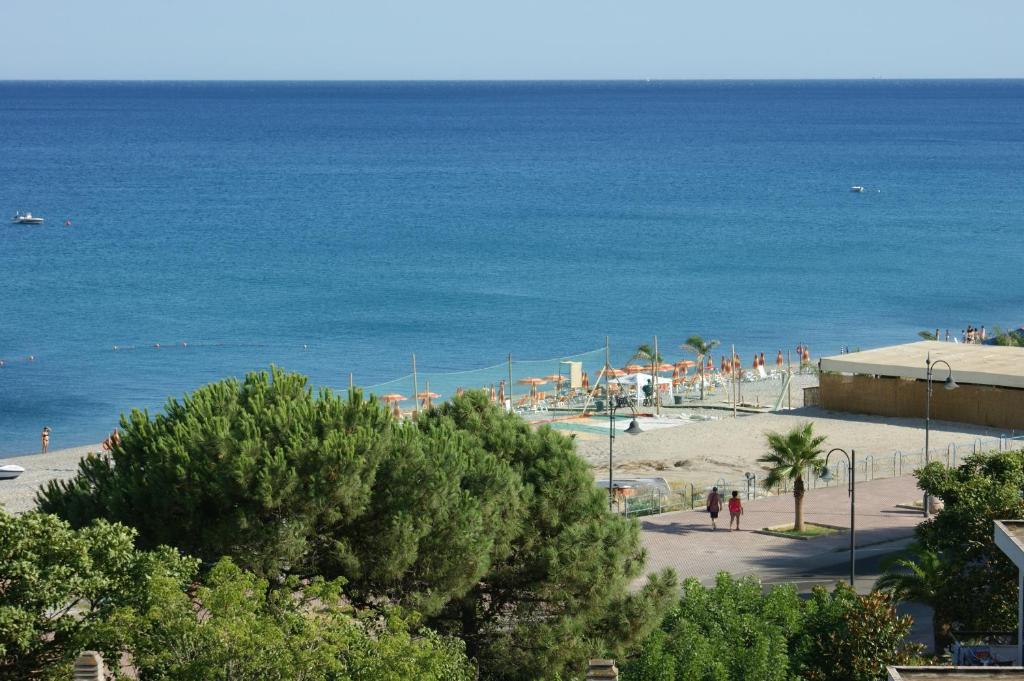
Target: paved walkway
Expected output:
[684,540]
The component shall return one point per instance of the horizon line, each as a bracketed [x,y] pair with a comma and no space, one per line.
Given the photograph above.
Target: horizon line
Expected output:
[513,80]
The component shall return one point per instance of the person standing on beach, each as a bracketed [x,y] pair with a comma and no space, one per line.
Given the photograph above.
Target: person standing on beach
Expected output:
[714,506]
[46,439]
[735,510]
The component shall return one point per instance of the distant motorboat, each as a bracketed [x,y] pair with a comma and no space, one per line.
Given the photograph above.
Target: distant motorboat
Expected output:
[10,471]
[26,219]
[857,189]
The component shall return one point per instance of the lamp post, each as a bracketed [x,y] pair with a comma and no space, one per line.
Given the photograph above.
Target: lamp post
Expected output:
[633,429]
[826,476]
[948,384]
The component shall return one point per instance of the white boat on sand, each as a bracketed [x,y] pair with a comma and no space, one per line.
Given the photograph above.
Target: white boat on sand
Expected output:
[10,471]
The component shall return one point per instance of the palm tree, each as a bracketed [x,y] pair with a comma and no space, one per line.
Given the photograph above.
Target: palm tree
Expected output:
[645,353]
[792,454]
[922,579]
[702,348]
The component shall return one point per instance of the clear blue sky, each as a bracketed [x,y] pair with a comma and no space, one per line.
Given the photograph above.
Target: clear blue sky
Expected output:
[513,39]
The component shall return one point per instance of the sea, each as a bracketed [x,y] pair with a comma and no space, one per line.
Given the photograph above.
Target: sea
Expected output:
[199,230]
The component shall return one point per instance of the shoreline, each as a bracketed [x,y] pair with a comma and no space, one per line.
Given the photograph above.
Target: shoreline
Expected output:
[18,495]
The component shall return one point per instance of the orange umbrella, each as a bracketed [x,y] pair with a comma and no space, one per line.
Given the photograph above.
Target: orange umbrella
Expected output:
[725,367]
[392,397]
[557,379]
[613,372]
[711,363]
[633,369]
[685,364]
[426,396]
[586,381]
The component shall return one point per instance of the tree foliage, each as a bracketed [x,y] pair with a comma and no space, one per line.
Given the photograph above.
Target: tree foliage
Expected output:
[736,631]
[847,637]
[984,488]
[923,577]
[732,631]
[790,456]
[492,529]
[234,627]
[60,587]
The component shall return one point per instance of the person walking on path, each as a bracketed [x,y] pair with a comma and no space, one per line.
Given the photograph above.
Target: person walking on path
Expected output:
[735,510]
[46,439]
[714,506]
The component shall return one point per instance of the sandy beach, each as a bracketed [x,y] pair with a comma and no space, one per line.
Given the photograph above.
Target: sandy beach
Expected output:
[702,452]
[18,495]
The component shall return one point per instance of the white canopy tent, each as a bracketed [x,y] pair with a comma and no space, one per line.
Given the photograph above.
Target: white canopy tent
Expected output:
[636,383]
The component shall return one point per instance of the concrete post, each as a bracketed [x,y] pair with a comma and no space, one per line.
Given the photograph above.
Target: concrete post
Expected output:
[89,667]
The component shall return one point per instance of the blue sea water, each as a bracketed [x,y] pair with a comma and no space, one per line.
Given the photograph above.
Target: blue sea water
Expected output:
[340,227]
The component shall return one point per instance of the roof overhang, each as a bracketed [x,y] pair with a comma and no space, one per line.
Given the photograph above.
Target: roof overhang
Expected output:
[991,365]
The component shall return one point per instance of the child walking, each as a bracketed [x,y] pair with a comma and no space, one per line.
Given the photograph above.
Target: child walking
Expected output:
[735,510]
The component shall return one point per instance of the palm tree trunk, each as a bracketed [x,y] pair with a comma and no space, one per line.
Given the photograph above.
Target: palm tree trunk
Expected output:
[700,358]
[798,504]
[942,628]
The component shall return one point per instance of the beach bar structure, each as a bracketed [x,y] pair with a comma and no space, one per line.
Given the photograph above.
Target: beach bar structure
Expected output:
[1009,537]
[891,381]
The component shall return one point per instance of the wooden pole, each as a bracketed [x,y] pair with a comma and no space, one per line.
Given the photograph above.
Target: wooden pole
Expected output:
[510,402]
[415,388]
[789,383]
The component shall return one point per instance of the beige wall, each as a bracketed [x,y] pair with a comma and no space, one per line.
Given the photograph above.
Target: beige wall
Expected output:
[884,396]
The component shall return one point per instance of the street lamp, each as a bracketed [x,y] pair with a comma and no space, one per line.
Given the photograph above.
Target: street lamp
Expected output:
[948,384]
[825,475]
[633,429]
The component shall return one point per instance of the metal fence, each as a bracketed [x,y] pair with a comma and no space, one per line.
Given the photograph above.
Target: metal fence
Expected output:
[874,466]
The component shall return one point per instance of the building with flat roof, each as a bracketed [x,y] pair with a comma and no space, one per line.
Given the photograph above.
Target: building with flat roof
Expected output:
[891,381]
[955,673]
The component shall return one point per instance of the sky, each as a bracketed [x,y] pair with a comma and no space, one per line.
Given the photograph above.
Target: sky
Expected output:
[515,39]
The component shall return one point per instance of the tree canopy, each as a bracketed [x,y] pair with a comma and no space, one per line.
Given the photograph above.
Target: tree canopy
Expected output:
[492,529]
[735,631]
[984,488]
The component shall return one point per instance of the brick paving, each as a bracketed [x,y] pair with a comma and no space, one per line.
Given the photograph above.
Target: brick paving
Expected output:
[684,540]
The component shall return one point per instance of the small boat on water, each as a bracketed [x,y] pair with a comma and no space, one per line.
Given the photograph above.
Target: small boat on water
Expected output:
[26,219]
[856,189]
[10,471]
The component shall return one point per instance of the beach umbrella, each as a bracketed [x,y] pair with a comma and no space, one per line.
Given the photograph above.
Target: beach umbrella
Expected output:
[426,396]
[533,382]
[761,360]
[586,380]
[711,363]
[392,397]
[724,368]
[778,360]
[612,372]
[633,369]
